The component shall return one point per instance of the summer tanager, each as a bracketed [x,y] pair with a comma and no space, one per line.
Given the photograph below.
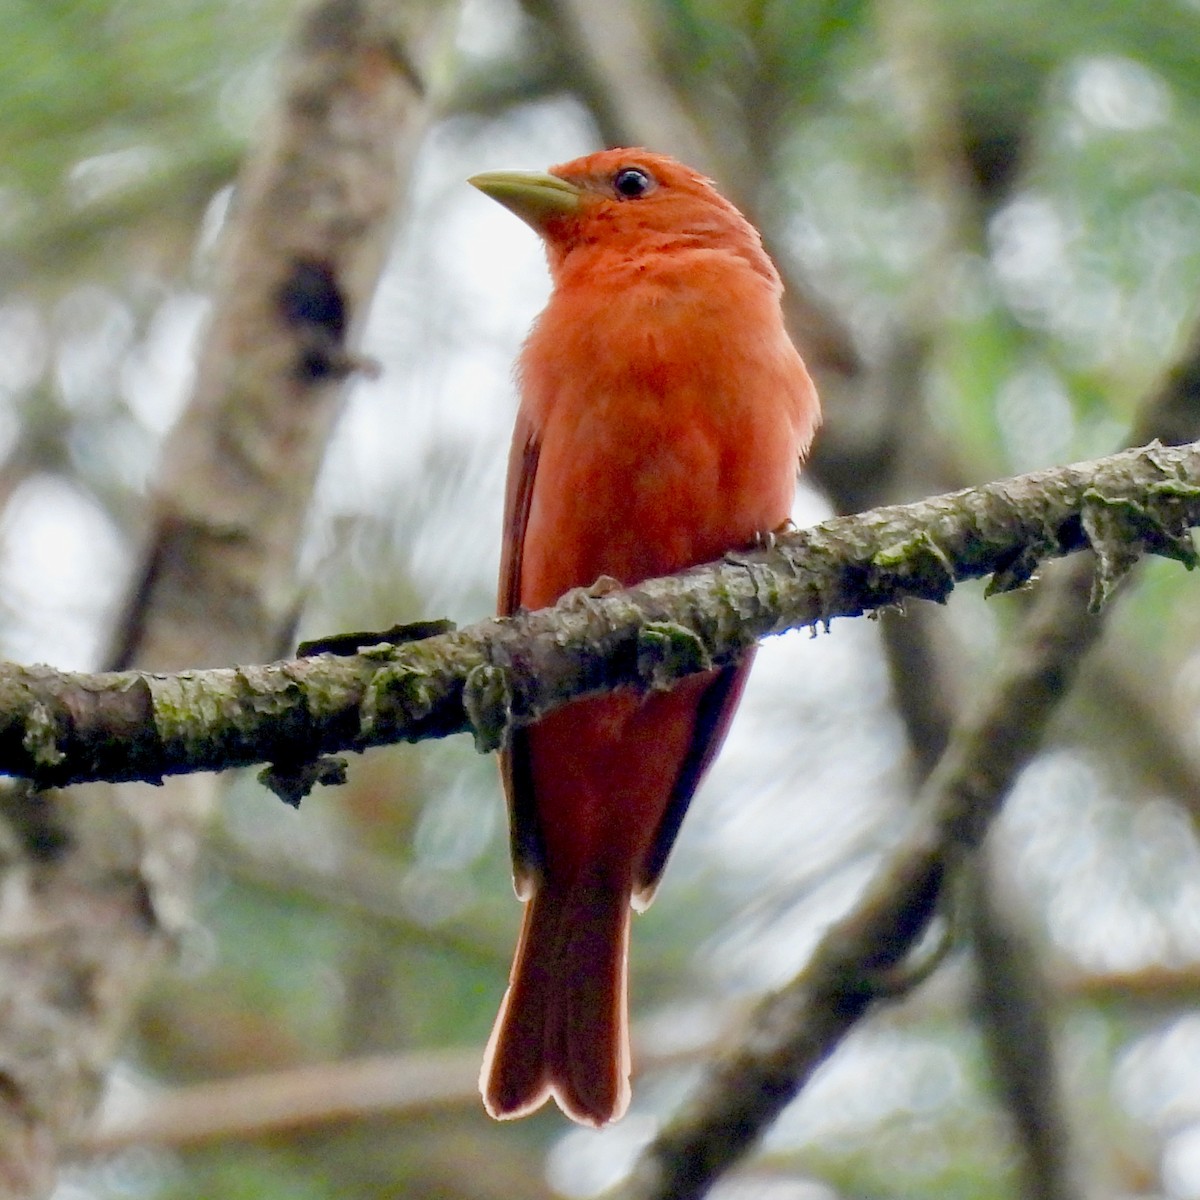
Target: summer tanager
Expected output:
[663,415]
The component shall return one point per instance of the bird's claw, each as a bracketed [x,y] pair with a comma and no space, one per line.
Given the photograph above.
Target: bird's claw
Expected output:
[768,539]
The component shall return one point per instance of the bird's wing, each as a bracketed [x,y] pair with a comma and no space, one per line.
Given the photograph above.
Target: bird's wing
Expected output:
[714,712]
[525,838]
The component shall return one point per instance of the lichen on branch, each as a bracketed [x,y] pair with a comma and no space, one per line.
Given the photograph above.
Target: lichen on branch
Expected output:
[60,727]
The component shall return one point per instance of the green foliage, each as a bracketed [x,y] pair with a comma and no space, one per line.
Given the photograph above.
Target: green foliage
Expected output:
[122,118]
[254,1174]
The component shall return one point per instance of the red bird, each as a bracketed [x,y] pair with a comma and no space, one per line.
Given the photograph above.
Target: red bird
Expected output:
[663,415]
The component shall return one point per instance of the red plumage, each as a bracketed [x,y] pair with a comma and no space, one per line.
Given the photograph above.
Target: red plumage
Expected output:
[663,415]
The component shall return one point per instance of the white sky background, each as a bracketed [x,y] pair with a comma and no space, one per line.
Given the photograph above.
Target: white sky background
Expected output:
[811,786]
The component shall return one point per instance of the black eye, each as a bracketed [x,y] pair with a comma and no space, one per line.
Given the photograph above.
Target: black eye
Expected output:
[632,182]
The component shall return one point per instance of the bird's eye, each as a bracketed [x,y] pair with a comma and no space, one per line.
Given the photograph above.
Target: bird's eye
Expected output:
[632,182]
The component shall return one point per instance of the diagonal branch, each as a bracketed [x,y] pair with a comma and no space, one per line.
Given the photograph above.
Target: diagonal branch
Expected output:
[795,1029]
[59,727]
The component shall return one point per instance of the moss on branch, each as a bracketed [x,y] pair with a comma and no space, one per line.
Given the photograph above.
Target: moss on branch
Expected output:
[59,727]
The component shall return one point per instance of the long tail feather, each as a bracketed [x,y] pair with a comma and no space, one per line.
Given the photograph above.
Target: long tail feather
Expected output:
[562,1029]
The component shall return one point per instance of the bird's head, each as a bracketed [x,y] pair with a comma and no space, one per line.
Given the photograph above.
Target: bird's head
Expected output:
[627,202]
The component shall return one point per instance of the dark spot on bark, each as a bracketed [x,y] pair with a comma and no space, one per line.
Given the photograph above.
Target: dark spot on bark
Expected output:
[311,296]
[1070,533]
[311,300]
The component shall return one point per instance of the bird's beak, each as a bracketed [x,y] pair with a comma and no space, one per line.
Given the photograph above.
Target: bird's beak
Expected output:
[531,195]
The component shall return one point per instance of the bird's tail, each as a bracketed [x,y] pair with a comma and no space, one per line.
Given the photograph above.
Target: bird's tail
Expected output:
[563,1029]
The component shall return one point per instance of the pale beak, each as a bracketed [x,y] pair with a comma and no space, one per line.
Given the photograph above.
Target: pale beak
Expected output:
[531,195]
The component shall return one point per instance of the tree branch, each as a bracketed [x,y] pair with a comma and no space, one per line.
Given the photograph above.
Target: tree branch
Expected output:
[412,1085]
[251,1105]
[859,960]
[59,727]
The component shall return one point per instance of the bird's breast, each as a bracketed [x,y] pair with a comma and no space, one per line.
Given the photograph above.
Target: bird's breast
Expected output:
[667,435]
